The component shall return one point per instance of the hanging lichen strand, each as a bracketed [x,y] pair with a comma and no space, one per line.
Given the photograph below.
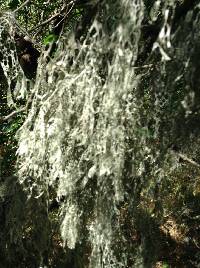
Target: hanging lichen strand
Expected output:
[100,125]
[84,121]
[17,85]
[75,137]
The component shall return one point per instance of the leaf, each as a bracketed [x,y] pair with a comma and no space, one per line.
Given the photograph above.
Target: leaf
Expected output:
[50,39]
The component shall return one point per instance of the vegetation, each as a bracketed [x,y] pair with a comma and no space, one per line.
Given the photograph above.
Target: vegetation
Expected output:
[99,153]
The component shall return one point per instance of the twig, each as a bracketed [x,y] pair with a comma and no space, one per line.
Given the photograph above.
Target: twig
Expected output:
[143,66]
[7,117]
[63,20]
[185,158]
[20,7]
[45,22]
[72,3]
[65,15]
[190,161]
[14,113]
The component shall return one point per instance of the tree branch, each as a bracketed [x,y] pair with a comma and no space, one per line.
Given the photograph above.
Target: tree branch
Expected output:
[190,161]
[23,5]
[65,7]
[14,113]
[45,22]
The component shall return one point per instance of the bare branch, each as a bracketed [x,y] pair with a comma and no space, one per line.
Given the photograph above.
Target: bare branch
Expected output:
[14,113]
[185,158]
[190,161]
[66,7]
[45,22]
[20,7]
[143,66]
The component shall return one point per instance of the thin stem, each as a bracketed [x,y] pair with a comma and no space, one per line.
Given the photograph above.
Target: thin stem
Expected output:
[5,118]
[20,7]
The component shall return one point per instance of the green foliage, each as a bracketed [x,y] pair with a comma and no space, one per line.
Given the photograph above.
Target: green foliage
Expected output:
[50,38]
[165,265]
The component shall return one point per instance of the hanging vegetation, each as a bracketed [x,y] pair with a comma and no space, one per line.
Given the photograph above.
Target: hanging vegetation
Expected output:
[106,94]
